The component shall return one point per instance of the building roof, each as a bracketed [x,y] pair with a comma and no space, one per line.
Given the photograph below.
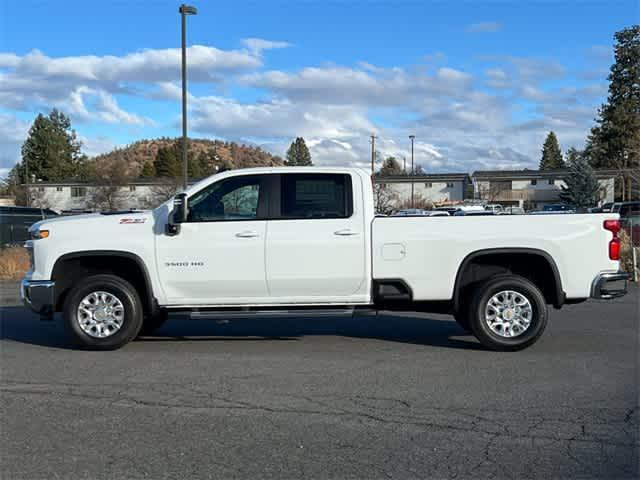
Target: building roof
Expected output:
[431,177]
[532,174]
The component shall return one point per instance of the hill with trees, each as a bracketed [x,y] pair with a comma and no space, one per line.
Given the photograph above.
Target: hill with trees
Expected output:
[162,157]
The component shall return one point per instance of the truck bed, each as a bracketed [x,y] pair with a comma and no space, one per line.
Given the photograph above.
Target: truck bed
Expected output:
[426,252]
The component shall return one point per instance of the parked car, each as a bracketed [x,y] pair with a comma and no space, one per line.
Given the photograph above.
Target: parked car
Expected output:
[407,212]
[624,208]
[606,207]
[305,240]
[449,210]
[15,222]
[494,207]
[436,213]
[512,211]
[559,207]
[475,213]
[551,212]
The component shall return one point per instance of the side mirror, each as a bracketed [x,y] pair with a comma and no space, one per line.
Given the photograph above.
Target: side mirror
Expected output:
[178,215]
[180,208]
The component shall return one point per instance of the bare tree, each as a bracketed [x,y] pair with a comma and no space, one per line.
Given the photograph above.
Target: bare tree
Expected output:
[385,198]
[491,191]
[163,190]
[110,178]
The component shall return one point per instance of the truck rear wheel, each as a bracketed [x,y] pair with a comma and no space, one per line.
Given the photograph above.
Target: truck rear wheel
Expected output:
[508,313]
[103,312]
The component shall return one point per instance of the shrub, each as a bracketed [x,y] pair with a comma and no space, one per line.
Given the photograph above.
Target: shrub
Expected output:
[626,253]
[14,263]
[418,202]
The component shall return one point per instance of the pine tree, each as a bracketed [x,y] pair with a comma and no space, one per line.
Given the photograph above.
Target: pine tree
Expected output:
[582,188]
[298,154]
[390,167]
[199,166]
[551,154]
[148,170]
[51,151]
[614,142]
[166,164]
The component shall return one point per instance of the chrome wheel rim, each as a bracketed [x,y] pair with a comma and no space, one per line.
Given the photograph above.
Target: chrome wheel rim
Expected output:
[508,313]
[100,314]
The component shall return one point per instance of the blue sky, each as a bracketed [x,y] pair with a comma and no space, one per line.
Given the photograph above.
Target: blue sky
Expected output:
[479,83]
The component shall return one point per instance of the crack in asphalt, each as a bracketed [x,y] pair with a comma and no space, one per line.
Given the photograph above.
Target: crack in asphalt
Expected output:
[480,424]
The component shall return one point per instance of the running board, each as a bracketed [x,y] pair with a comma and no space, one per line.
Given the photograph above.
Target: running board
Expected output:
[231,314]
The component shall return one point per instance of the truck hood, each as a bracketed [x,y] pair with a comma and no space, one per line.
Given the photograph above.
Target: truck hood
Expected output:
[94,220]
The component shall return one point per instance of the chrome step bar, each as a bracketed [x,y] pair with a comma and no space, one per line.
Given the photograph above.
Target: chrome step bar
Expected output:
[232,314]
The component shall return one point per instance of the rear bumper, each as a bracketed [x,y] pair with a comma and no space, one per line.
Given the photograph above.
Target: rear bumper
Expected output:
[608,285]
[38,295]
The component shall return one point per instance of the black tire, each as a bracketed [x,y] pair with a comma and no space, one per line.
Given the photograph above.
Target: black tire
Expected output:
[480,327]
[131,306]
[463,319]
[153,322]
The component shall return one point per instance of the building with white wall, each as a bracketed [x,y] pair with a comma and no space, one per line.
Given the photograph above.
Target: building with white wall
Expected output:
[67,196]
[437,188]
[532,189]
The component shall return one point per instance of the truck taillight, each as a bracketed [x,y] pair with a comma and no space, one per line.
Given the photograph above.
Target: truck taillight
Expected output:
[614,245]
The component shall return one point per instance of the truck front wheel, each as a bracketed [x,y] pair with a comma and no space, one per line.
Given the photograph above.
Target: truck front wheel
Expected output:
[508,313]
[103,312]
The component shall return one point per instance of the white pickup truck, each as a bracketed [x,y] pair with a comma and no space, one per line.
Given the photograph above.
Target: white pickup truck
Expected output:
[307,240]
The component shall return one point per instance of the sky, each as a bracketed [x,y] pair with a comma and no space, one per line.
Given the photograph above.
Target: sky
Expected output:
[479,83]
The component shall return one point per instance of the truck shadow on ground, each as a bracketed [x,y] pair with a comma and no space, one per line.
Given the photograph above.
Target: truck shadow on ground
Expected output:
[18,325]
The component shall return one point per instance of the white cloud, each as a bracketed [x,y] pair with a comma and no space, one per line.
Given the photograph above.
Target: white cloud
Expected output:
[13,131]
[36,80]
[257,45]
[93,146]
[226,117]
[484,27]
[459,123]
[371,86]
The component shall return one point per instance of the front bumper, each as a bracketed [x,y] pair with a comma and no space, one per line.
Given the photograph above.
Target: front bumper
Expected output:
[608,285]
[38,295]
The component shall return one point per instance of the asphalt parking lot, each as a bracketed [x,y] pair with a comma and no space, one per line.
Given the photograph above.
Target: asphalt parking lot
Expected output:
[375,397]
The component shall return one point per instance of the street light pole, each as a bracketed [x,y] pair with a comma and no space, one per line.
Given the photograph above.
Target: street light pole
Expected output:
[184,11]
[412,137]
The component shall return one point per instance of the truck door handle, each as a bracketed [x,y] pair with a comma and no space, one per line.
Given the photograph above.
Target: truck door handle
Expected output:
[345,232]
[247,234]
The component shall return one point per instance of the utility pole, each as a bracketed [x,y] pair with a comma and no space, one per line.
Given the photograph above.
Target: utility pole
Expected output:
[404,164]
[184,11]
[412,137]
[373,154]
[26,180]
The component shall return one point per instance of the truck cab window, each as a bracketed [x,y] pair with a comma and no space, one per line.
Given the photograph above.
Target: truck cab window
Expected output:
[316,196]
[236,198]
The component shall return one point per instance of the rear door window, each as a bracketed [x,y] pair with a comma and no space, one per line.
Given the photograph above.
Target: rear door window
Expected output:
[320,195]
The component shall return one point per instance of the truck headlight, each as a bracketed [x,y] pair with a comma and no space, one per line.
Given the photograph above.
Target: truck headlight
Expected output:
[38,234]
